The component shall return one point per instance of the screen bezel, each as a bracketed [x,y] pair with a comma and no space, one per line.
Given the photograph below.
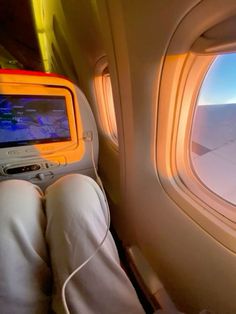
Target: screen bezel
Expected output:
[46,91]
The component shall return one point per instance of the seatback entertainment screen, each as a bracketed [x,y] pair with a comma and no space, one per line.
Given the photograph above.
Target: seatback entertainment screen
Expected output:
[29,120]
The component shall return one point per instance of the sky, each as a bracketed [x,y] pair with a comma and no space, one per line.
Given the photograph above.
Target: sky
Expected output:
[219,85]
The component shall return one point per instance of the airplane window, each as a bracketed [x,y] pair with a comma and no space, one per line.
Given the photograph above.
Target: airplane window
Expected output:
[213,137]
[106,105]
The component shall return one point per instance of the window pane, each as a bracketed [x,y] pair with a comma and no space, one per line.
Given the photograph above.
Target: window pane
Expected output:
[109,103]
[105,102]
[213,138]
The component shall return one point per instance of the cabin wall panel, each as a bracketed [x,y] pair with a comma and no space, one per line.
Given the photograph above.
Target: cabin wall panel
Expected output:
[197,271]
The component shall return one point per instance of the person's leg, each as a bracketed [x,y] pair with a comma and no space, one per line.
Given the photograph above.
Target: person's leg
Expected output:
[76,214]
[24,272]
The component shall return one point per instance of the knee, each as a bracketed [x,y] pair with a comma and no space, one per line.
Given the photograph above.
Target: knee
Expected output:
[73,187]
[18,198]
[76,196]
[71,182]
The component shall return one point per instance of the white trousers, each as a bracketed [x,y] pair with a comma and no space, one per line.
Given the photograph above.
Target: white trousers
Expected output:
[44,238]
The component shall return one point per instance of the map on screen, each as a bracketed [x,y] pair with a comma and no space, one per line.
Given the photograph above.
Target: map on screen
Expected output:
[28,120]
